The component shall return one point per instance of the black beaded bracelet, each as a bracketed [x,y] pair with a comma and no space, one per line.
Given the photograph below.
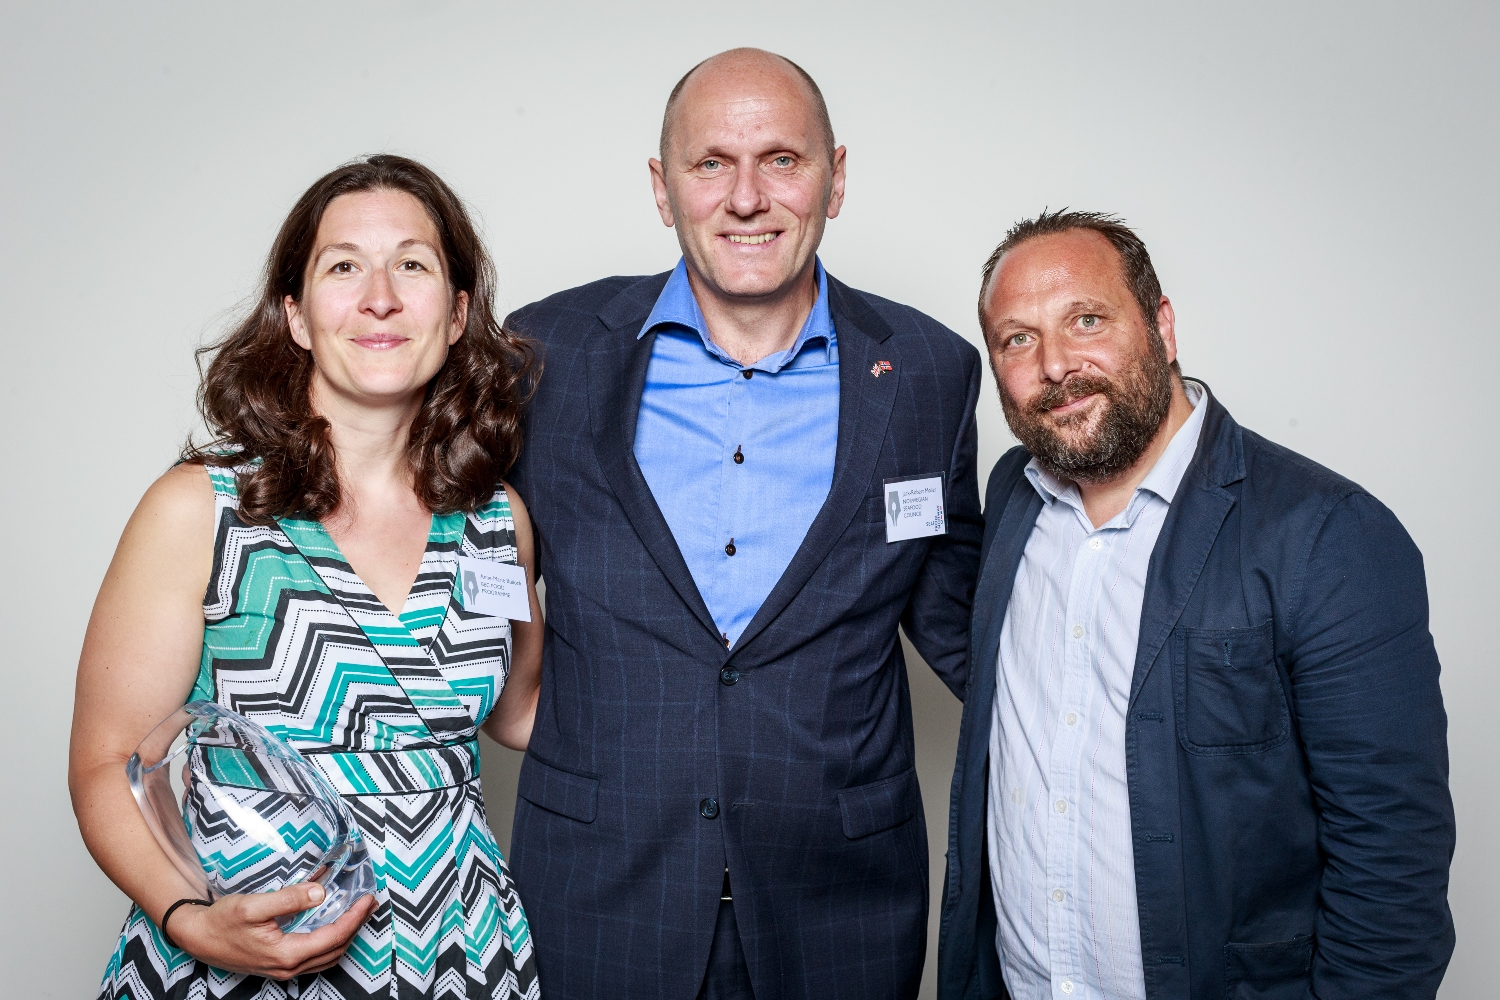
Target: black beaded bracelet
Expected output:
[173,909]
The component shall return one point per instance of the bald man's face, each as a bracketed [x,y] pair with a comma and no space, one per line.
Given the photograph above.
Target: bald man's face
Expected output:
[747,181]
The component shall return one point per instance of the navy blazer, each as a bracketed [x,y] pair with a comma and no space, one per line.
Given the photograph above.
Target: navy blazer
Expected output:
[1290,815]
[658,756]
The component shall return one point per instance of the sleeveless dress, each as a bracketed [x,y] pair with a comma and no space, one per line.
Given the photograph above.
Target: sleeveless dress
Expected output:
[388,708]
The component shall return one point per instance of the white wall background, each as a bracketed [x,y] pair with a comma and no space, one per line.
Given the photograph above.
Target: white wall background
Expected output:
[1316,183]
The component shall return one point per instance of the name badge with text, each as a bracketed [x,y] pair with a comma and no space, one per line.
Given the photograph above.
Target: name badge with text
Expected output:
[493,588]
[914,508]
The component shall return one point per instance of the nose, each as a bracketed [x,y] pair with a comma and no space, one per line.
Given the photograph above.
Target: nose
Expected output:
[380,299]
[748,197]
[1058,359]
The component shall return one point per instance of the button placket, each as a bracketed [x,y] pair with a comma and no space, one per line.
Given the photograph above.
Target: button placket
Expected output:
[731,481]
[1064,761]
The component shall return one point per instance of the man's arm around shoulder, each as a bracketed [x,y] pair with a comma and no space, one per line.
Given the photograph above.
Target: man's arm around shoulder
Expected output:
[936,618]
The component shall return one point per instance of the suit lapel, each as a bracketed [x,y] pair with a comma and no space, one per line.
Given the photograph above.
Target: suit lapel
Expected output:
[1188,535]
[997,574]
[865,403]
[617,362]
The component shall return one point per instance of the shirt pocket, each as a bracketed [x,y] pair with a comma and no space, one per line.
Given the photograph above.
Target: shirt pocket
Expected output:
[1229,695]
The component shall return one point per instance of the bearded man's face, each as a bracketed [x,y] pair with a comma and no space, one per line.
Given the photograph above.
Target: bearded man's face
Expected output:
[1085,381]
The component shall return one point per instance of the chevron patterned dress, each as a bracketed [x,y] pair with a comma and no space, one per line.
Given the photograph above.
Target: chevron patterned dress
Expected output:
[388,708]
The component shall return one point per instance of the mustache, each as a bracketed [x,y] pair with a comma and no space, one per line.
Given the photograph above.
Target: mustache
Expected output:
[1063,393]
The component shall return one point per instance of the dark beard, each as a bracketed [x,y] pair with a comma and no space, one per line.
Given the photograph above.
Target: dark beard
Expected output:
[1134,409]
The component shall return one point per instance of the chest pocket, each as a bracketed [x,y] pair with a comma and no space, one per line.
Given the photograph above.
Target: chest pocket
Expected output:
[1229,693]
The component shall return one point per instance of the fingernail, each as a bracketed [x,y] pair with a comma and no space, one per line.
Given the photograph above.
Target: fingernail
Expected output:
[315,893]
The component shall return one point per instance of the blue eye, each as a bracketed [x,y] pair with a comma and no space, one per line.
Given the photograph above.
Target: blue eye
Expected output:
[783,161]
[1088,322]
[711,164]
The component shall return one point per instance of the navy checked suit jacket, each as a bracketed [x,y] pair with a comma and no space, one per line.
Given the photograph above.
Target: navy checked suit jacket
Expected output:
[1285,741]
[801,735]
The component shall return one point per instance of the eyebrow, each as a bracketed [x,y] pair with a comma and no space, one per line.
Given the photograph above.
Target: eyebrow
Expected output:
[354,248]
[1090,305]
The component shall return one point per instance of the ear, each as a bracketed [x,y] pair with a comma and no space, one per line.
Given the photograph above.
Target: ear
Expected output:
[1166,322]
[836,196]
[659,188]
[297,322]
[460,319]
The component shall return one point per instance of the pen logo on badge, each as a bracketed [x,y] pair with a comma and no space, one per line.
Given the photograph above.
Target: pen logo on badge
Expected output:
[471,588]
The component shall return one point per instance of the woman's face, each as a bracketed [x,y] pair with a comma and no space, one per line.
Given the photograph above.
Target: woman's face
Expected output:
[377,311]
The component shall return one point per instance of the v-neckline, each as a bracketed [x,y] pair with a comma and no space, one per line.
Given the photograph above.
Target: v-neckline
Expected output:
[432,534]
[439,528]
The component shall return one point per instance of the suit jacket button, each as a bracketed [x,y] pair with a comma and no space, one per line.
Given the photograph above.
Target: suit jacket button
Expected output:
[708,808]
[729,676]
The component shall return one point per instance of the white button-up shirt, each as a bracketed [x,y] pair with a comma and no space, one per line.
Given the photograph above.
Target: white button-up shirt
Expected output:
[1061,861]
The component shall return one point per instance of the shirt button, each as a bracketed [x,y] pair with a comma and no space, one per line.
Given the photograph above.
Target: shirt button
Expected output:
[748,372]
[708,808]
[739,456]
[1057,895]
[1072,718]
[1094,544]
[729,549]
[1061,806]
[1078,631]
[729,676]
[1066,985]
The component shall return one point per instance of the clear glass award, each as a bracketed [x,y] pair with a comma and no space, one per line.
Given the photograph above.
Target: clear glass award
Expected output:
[239,810]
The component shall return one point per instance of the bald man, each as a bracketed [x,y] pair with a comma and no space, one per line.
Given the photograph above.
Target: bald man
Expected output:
[744,476]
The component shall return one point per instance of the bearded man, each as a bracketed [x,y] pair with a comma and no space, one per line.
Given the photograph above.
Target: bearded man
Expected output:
[1204,751]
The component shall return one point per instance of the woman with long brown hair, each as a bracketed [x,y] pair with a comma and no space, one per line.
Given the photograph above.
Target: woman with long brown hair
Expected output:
[301,570]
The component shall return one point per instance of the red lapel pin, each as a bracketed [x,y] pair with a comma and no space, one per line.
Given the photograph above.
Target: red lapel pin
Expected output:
[880,366]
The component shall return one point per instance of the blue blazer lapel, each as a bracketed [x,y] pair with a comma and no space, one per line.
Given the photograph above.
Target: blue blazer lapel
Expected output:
[1188,535]
[617,362]
[1004,545]
[865,404]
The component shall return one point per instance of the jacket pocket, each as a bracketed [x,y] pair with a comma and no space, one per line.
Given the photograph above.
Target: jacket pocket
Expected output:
[1229,693]
[880,805]
[1276,971]
[575,796]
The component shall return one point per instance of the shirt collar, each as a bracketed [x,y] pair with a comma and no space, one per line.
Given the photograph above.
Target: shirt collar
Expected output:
[677,306]
[1163,479]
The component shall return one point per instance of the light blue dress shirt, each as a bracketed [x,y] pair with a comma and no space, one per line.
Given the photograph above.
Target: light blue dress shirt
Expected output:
[1062,862]
[739,457]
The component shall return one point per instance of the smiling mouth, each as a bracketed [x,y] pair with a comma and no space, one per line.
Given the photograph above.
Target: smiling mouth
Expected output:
[751,240]
[1072,405]
[380,341]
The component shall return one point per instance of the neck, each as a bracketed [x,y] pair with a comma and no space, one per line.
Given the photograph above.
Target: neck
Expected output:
[1103,500]
[748,329]
[369,441]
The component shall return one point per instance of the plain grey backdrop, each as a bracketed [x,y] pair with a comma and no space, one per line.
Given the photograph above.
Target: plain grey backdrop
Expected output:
[1316,182]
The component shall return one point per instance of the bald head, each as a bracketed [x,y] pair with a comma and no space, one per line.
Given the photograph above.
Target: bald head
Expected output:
[750,70]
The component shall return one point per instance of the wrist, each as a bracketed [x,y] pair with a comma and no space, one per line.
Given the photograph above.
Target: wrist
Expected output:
[181,919]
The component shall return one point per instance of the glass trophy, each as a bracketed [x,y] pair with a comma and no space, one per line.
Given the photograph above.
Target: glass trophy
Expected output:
[239,810]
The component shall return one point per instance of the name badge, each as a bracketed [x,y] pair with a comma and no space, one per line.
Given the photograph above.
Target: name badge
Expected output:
[914,508]
[494,588]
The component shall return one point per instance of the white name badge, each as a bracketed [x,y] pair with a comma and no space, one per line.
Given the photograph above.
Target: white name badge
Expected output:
[914,508]
[494,588]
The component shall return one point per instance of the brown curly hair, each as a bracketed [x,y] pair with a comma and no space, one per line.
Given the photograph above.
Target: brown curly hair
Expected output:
[254,395]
